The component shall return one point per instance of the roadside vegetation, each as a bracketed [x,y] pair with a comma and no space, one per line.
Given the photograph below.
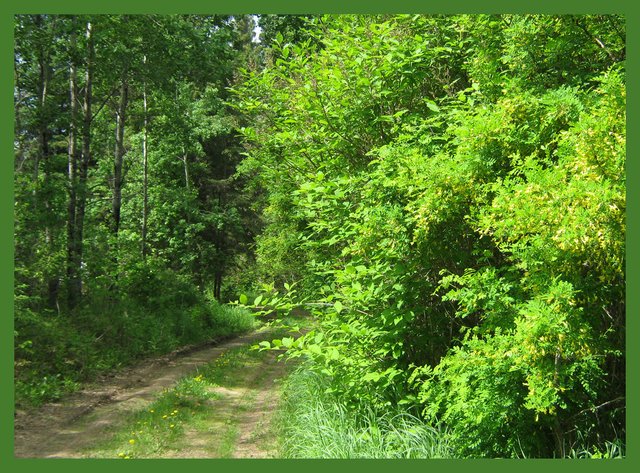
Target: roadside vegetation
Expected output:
[161,314]
[448,195]
[313,423]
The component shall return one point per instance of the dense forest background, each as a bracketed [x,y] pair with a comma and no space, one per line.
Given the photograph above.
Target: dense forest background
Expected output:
[444,194]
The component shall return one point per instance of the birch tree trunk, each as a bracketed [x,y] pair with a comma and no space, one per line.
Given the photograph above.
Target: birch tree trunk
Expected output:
[145,173]
[119,153]
[73,265]
[78,168]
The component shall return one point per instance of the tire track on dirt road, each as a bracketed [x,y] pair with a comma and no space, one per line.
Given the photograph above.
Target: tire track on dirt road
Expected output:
[65,429]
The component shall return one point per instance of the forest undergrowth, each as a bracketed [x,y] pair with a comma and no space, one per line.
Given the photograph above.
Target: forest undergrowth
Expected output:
[56,353]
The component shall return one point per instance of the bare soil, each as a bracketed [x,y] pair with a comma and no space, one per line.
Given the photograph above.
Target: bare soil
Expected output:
[68,428]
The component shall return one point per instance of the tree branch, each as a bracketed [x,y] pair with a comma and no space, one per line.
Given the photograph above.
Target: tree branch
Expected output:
[593,409]
[594,38]
[104,103]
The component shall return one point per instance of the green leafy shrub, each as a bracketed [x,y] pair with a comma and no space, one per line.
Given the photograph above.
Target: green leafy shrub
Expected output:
[454,200]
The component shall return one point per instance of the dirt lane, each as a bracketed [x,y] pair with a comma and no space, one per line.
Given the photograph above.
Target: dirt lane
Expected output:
[255,431]
[63,430]
[241,423]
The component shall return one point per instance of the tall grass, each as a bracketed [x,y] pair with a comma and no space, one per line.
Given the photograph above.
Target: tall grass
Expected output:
[231,320]
[315,424]
[610,450]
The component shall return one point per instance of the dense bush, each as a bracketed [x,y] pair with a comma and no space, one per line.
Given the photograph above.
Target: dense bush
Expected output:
[453,195]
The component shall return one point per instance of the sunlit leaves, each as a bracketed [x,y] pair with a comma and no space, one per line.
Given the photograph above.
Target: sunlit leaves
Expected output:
[450,190]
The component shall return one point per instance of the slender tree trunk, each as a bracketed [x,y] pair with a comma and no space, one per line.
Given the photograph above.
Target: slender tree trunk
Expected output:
[42,137]
[78,169]
[119,153]
[186,167]
[41,157]
[18,98]
[145,174]
[217,285]
[86,150]
[73,291]
[219,243]
[558,436]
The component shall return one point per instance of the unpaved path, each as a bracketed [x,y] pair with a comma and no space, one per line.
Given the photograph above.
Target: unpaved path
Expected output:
[241,424]
[65,429]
